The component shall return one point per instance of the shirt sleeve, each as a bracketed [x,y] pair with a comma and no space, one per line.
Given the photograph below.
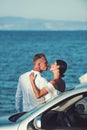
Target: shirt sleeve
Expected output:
[40,81]
[18,97]
[50,88]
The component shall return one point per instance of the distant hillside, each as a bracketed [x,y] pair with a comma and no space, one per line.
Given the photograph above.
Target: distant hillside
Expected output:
[19,23]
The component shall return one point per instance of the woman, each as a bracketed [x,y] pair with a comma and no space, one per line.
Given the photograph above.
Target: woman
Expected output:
[58,69]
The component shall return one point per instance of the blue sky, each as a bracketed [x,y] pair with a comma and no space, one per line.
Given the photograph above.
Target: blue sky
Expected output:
[75,10]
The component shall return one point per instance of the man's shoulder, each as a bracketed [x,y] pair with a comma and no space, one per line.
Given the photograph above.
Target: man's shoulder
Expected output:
[25,74]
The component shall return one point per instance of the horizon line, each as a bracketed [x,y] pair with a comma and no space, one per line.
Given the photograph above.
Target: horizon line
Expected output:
[43,18]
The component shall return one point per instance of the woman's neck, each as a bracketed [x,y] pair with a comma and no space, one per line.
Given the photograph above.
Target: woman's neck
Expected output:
[56,76]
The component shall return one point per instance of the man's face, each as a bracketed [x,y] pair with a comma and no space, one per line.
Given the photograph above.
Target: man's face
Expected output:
[43,64]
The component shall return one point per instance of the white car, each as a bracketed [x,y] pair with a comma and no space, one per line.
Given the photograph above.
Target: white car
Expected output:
[66,111]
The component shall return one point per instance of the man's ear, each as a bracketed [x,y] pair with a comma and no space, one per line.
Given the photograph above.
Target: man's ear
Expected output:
[38,65]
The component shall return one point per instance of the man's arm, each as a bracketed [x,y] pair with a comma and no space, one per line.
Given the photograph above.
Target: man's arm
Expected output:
[18,98]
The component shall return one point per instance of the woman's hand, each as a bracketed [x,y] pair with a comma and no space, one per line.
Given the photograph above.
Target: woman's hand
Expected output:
[32,77]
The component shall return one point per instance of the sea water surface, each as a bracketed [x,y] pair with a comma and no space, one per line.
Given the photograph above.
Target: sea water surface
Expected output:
[17,49]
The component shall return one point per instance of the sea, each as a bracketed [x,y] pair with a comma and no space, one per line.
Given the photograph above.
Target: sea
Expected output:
[17,49]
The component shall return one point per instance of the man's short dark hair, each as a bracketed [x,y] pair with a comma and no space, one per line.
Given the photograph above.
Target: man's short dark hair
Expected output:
[38,56]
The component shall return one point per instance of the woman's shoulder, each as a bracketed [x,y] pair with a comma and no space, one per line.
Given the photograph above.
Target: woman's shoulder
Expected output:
[60,85]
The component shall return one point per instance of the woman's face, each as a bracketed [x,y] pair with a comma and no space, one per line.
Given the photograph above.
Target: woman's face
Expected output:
[54,66]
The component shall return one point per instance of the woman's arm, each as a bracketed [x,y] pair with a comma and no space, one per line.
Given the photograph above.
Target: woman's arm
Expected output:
[39,93]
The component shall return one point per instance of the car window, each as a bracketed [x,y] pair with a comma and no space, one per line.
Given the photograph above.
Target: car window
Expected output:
[81,106]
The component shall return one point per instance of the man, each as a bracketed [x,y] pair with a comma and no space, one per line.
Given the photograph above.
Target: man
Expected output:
[25,97]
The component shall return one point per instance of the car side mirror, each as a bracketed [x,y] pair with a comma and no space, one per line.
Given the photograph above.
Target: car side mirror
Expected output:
[37,122]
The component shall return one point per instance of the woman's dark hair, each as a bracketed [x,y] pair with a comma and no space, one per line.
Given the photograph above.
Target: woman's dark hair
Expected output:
[63,67]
